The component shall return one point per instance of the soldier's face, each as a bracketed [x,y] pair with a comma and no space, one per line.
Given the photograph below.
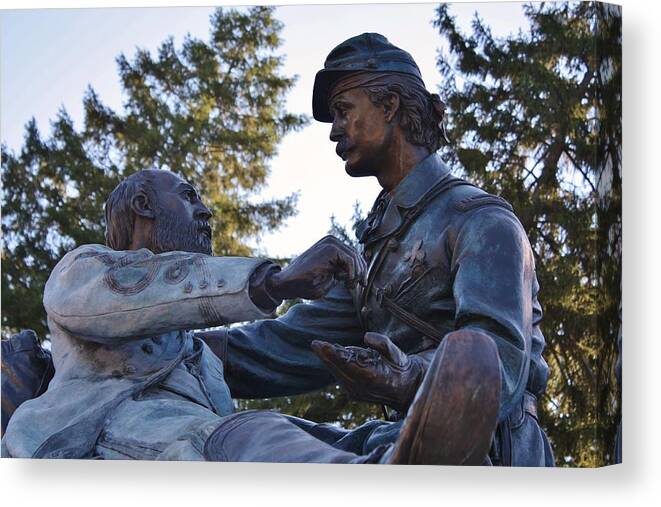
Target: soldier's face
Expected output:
[181,220]
[360,131]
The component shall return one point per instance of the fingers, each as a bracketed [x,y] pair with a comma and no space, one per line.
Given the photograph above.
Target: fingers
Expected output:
[347,253]
[384,346]
[326,351]
[311,274]
[321,284]
[349,265]
[329,352]
[358,268]
[336,360]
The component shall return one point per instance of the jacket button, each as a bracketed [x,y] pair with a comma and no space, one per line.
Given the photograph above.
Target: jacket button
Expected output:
[220,283]
[129,370]
[393,244]
[365,312]
[147,348]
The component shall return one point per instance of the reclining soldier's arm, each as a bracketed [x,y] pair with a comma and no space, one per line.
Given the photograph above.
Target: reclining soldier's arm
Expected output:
[101,294]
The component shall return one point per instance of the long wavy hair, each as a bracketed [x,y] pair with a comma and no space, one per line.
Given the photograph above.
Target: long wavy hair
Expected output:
[421,113]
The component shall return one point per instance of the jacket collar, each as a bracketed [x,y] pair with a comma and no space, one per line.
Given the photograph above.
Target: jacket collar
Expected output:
[410,191]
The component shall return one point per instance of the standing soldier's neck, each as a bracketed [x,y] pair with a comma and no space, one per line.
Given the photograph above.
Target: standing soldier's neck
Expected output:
[403,157]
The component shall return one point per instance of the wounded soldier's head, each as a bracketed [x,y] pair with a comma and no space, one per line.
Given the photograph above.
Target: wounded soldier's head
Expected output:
[158,210]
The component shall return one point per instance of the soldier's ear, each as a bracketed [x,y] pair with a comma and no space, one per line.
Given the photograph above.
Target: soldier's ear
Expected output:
[390,106]
[142,206]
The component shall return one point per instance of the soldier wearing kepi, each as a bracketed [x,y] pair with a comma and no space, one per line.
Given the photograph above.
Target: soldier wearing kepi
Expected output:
[444,328]
[133,382]
[444,258]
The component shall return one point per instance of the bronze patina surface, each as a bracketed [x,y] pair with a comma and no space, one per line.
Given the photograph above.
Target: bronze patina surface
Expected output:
[435,315]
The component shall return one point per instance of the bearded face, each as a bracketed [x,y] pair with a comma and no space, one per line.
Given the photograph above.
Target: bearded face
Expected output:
[170,232]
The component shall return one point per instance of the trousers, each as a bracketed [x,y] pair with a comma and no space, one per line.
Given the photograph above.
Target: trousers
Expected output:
[258,436]
[171,429]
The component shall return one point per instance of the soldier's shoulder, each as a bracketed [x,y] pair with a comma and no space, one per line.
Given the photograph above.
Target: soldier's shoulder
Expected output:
[483,213]
[86,252]
[473,207]
[467,198]
[88,249]
[81,253]
[461,200]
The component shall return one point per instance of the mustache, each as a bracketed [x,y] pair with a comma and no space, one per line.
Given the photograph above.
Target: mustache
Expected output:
[203,226]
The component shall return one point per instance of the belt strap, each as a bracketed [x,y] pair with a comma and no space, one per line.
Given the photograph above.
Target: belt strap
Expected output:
[502,454]
[411,319]
[530,404]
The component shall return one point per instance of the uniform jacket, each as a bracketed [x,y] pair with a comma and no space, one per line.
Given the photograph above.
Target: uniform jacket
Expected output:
[118,322]
[442,250]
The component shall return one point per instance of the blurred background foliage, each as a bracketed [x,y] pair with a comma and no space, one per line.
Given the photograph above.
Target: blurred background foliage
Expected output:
[537,118]
[534,117]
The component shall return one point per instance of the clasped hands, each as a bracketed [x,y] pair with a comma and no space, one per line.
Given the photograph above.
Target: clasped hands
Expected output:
[312,274]
[378,373]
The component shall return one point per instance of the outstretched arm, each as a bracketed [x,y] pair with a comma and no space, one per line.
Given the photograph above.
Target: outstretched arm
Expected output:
[102,295]
[274,358]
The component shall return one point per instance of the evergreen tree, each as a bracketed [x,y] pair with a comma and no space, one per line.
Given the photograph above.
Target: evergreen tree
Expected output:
[211,111]
[536,118]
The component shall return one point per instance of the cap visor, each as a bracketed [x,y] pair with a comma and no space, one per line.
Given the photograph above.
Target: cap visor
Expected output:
[323,85]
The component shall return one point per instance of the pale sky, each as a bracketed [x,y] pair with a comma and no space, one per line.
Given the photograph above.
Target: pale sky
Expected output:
[49,56]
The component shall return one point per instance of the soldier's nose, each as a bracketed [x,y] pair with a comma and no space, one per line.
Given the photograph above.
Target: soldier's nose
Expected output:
[203,213]
[336,134]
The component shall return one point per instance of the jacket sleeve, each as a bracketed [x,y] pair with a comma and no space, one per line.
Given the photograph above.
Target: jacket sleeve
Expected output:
[493,289]
[101,294]
[273,357]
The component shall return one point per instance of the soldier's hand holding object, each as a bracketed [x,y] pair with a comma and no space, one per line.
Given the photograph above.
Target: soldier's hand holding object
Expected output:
[312,274]
[381,373]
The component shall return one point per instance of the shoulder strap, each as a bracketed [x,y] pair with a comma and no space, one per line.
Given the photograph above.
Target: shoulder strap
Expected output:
[412,320]
[441,186]
[402,314]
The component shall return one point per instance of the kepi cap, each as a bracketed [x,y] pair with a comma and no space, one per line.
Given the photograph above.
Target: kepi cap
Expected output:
[370,52]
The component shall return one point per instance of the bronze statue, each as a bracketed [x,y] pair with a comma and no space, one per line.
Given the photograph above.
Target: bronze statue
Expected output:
[27,369]
[132,382]
[444,258]
[443,327]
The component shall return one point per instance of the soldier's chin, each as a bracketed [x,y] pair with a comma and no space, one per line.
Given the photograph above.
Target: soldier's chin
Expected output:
[356,170]
[201,244]
[205,245]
